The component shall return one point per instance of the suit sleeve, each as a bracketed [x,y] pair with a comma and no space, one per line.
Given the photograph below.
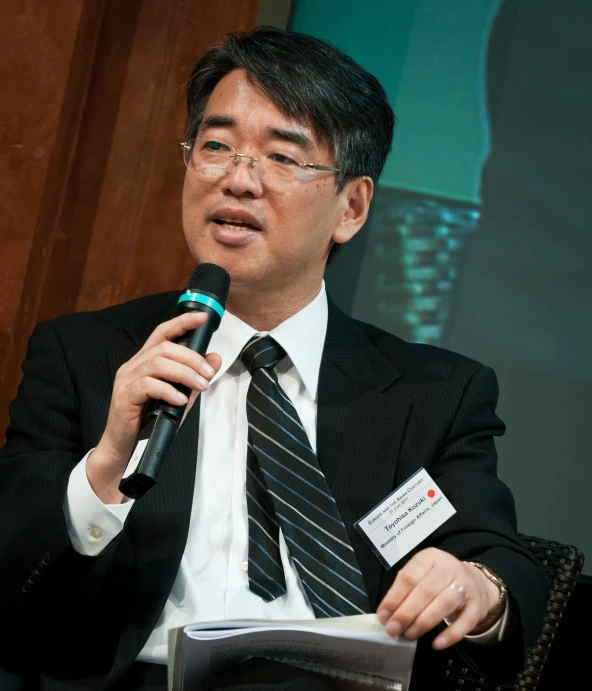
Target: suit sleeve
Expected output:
[484,527]
[41,575]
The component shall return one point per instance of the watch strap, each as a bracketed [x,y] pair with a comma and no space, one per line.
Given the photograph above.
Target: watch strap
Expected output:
[494,613]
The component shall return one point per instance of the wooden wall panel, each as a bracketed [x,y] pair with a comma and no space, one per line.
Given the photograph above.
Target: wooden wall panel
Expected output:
[99,113]
[35,79]
[91,174]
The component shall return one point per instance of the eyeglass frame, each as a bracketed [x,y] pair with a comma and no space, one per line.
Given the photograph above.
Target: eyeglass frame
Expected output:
[185,146]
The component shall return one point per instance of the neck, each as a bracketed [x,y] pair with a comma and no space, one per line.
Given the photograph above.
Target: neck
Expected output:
[264,310]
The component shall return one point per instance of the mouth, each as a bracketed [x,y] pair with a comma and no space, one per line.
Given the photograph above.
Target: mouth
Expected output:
[230,224]
[236,220]
[235,227]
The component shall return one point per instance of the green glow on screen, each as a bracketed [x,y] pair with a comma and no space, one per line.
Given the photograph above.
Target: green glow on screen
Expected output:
[428,54]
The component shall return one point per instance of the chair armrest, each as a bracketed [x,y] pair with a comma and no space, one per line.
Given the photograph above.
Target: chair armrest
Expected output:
[563,564]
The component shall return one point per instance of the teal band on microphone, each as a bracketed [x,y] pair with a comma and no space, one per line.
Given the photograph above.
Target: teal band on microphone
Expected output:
[203,300]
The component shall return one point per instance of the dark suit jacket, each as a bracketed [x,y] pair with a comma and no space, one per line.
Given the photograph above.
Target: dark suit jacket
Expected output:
[385,409]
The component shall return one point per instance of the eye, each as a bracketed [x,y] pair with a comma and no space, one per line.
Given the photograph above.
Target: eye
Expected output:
[284,160]
[214,146]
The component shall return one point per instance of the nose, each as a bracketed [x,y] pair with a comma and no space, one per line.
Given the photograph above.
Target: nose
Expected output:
[243,177]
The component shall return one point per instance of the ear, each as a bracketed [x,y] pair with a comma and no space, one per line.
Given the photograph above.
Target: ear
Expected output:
[356,197]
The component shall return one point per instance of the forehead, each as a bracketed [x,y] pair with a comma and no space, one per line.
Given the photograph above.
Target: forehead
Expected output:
[238,98]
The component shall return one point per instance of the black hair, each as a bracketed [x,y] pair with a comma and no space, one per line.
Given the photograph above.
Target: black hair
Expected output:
[310,81]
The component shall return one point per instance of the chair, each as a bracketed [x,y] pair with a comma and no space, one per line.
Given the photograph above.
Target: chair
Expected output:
[563,564]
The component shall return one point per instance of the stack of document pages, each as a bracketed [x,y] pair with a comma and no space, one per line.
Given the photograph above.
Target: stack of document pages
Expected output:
[356,650]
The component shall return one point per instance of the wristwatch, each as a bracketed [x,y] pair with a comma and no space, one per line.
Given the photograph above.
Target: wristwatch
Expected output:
[494,578]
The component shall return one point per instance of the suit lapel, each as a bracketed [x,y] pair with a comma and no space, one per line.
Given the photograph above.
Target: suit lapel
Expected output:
[359,429]
[158,524]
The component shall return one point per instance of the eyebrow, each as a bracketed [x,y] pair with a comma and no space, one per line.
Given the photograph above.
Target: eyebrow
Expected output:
[292,136]
[217,121]
[298,138]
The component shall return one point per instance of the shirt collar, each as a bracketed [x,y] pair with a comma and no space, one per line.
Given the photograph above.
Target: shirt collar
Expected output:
[302,336]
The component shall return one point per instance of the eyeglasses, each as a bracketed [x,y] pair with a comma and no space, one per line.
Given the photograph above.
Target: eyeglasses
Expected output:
[210,160]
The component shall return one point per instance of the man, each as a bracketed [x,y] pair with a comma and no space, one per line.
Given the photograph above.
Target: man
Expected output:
[286,138]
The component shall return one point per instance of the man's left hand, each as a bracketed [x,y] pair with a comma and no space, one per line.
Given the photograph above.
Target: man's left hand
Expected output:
[434,585]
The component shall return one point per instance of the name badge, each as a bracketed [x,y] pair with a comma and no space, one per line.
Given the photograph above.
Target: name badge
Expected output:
[405,518]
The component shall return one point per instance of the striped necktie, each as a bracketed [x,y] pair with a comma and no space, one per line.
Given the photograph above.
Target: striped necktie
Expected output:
[287,489]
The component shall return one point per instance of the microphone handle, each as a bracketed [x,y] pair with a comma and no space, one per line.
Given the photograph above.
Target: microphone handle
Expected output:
[162,420]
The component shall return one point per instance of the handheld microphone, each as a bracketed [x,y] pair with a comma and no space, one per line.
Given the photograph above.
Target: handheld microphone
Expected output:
[206,291]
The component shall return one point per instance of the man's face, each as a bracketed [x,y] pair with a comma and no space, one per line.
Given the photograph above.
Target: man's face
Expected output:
[294,226]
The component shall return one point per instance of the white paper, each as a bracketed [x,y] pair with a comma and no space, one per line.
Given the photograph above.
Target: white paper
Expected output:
[355,644]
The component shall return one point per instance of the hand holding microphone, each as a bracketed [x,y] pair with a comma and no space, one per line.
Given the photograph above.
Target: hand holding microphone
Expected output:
[154,385]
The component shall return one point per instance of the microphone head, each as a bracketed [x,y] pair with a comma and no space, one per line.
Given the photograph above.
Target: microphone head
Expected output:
[212,279]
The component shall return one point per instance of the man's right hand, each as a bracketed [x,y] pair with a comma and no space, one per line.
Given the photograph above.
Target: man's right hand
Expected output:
[142,378]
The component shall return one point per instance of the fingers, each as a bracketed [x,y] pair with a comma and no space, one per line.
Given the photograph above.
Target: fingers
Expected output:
[464,624]
[433,586]
[426,604]
[175,328]
[407,579]
[152,374]
[145,388]
[168,362]
[214,360]
[161,363]
[446,603]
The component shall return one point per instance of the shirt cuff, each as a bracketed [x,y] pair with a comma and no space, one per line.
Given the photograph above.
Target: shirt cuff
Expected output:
[91,524]
[496,633]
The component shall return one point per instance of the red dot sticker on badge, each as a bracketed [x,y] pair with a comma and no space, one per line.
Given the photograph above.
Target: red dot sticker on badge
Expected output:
[431,493]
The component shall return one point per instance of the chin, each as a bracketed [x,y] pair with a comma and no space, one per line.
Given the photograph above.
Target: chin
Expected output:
[213,255]
[241,272]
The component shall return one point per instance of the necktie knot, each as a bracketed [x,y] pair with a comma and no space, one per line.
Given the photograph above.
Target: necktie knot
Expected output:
[261,351]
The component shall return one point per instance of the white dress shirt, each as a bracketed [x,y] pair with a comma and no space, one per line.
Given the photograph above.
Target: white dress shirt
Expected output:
[212,583]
